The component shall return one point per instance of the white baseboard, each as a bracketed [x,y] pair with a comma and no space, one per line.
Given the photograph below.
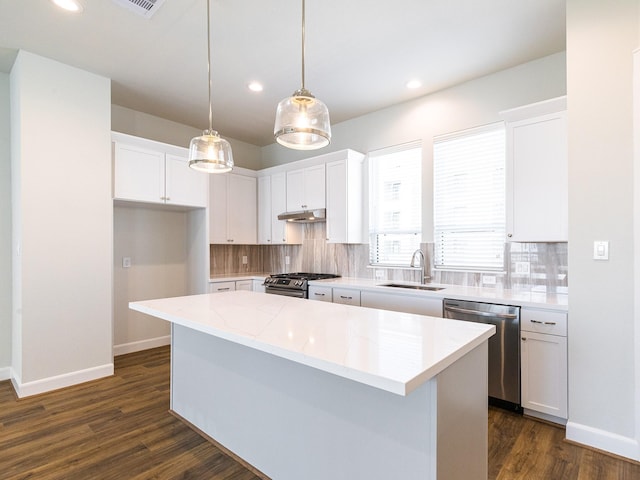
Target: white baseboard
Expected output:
[140,345]
[5,373]
[59,381]
[602,440]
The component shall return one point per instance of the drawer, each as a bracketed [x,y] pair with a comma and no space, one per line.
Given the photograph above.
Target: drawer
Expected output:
[244,285]
[346,296]
[320,293]
[219,287]
[543,321]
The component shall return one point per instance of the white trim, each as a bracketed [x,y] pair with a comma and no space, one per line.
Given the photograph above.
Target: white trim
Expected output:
[59,381]
[636,245]
[140,345]
[602,440]
[5,373]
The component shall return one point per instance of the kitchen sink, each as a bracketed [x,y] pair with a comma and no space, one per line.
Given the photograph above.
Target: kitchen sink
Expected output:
[412,287]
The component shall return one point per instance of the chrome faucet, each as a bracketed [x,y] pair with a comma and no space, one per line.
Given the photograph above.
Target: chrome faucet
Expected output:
[419,253]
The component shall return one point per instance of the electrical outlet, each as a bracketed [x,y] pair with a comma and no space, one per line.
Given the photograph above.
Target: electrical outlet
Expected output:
[489,279]
[522,268]
[126,262]
[244,260]
[379,274]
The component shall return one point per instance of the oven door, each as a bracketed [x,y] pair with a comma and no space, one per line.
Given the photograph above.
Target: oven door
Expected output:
[288,292]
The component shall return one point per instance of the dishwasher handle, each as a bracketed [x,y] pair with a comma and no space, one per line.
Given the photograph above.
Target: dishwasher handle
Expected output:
[506,316]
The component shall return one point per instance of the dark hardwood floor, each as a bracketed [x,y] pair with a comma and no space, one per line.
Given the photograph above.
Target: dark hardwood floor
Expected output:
[120,428]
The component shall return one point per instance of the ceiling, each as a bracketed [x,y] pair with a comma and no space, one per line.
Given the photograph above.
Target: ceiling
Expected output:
[359,53]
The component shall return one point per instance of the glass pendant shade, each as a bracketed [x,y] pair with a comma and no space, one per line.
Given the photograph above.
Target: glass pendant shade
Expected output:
[302,122]
[210,153]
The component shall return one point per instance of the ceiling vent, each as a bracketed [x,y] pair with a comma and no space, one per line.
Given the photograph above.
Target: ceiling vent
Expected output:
[144,8]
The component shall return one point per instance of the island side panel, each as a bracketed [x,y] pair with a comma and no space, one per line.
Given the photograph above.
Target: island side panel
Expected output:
[462,392]
[291,421]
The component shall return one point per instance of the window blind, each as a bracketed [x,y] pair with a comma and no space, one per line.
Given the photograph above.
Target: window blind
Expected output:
[395,204]
[469,199]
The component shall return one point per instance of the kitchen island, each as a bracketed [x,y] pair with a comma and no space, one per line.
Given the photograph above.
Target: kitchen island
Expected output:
[301,389]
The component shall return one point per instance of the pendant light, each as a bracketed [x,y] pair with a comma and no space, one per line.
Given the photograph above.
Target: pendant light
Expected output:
[302,121]
[209,152]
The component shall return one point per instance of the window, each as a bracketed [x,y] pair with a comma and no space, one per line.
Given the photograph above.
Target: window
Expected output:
[469,199]
[395,207]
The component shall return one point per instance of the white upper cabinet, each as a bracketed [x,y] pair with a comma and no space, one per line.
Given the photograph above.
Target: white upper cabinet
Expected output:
[306,188]
[272,201]
[184,185]
[344,200]
[537,172]
[264,210]
[145,172]
[232,209]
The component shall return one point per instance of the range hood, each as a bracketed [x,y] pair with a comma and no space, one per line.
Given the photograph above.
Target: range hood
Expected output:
[305,216]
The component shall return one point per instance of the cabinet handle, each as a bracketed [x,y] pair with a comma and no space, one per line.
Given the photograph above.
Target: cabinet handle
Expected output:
[524,339]
[545,323]
[223,289]
[167,198]
[509,235]
[346,298]
[318,294]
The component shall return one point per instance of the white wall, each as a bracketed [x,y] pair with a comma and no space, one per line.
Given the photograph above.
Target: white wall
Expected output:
[140,124]
[5,229]
[471,104]
[62,224]
[156,241]
[601,36]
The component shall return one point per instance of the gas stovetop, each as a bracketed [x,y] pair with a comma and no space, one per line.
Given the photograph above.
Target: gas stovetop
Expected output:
[295,281]
[305,276]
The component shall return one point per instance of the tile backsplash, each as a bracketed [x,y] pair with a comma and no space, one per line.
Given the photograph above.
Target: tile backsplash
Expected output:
[528,266]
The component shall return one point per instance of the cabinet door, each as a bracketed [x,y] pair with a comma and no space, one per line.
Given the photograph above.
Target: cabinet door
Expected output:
[322,294]
[544,373]
[337,202]
[138,174]
[218,208]
[220,287]
[183,185]
[295,191]
[258,286]
[314,184]
[346,296]
[264,210]
[242,210]
[246,285]
[537,179]
[402,303]
[282,232]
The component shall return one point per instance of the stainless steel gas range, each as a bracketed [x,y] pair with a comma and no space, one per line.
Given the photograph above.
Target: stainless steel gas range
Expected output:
[293,284]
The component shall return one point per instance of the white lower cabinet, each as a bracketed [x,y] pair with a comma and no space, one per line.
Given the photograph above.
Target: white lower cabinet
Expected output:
[323,294]
[219,287]
[543,350]
[346,296]
[258,285]
[402,303]
[244,285]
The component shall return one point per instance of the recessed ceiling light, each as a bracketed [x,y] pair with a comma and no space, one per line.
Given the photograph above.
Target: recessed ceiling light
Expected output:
[69,5]
[255,87]
[414,84]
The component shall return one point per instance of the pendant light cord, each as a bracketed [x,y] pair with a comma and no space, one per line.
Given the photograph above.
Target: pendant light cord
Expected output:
[303,42]
[209,64]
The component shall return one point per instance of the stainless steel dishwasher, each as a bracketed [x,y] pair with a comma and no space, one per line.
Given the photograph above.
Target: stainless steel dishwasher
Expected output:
[504,346]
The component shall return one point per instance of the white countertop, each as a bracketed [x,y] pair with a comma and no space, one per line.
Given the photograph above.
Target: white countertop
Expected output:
[549,301]
[391,351]
[233,277]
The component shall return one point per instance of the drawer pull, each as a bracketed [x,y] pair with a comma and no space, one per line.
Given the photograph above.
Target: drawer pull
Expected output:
[319,294]
[541,323]
[223,289]
[346,298]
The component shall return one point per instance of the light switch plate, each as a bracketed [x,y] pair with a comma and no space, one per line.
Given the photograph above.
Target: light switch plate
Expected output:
[600,250]
[126,262]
